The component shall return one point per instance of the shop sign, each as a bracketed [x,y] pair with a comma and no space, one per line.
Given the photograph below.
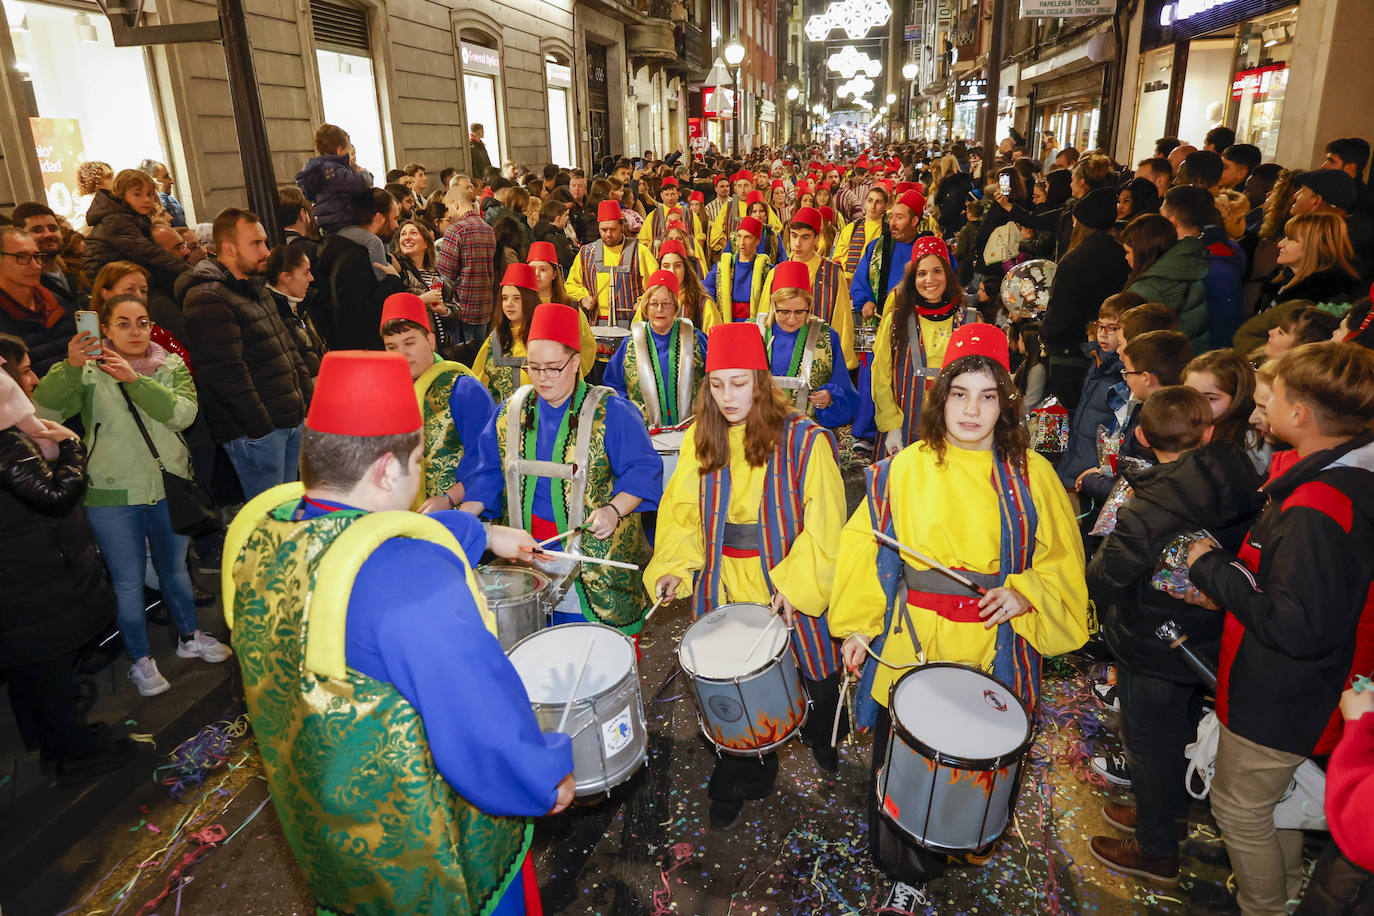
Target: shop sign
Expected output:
[479,59]
[972,90]
[558,74]
[912,32]
[1258,81]
[1179,10]
[717,102]
[767,111]
[1053,9]
[60,149]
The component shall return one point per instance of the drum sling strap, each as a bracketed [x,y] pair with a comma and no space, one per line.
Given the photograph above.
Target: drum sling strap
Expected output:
[512,364]
[800,383]
[646,359]
[519,467]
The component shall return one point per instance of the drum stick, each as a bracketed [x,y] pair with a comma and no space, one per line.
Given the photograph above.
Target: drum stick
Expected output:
[583,558]
[762,633]
[662,599]
[566,534]
[933,564]
[839,711]
[586,663]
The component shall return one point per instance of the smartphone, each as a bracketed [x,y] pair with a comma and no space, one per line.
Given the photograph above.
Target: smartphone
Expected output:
[89,322]
[1004,182]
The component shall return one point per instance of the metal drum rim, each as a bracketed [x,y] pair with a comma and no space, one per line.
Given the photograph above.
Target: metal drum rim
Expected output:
[543,579]
[734,678]
[963,763]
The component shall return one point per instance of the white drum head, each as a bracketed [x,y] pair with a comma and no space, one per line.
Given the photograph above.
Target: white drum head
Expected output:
[505,584]
[549,661]
[715,645]
[610,332]
[960,712]
[669,440]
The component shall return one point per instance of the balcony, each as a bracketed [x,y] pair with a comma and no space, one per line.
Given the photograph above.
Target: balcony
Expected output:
[691,59]
[651,43]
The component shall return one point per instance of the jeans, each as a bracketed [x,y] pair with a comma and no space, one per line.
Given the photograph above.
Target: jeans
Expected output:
[263,463]
[121,532]
[1158,720]
[473,331]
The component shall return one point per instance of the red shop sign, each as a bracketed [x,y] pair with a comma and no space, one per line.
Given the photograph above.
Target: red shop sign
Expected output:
[1257,81]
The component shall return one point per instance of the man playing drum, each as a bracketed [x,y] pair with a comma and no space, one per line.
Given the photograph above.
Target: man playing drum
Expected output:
[454,404]
[563,454]
[607,276]
[829,289]
[336,657]
[661,364]
[803,351]
[752,514]
[971,496]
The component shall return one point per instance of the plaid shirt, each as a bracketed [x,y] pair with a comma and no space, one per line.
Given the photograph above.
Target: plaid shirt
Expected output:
[467,259]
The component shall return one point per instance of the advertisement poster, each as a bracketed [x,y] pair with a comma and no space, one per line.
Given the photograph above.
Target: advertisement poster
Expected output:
[60,150]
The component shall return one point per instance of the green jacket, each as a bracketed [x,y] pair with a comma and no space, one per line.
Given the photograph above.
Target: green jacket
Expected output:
[1176,279]
[121,469]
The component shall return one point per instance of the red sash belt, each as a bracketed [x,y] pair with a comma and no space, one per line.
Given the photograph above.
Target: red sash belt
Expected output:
[739,552]
[958,608]
[740,311]
[542,528]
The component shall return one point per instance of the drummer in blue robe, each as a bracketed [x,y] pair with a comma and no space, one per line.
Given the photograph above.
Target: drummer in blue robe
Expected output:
[662,381]
[558,436]
[878,273]
[804,352]
[738,277]
[330,550]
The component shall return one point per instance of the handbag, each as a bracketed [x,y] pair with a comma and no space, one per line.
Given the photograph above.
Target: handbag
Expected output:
[1303,804]
[189,506]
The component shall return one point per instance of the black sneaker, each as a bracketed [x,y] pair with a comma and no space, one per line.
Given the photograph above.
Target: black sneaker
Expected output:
[827,758]
[724,815]
[106,759]
[863,447]
[905,898]
[1106,695]
[1112,768]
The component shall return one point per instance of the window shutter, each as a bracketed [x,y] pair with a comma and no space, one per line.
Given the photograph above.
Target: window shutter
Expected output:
[339,26]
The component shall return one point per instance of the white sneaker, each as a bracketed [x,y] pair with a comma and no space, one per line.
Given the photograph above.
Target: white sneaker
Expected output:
[905,898]
[147,678]
[204,646]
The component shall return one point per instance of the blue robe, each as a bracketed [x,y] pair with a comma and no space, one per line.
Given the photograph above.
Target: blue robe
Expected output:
[743,286]
[471,406]
[861,290]
[845,399]
[430,643]
[614,376]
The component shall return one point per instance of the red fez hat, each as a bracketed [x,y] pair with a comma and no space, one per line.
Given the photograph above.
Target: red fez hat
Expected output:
[557,322]
[721,177]
[828,213]
[777,183]
[755,197]
[696,197]
[407,306]
[929,244]
[918,187]
[813,164]
[914,202]
[904,186]
[668,182]
[751,226]
[861,162]
[791,275]
[887,186]
[609,211]
[672,246]
[521,275]
[364,393]
[741,175]
[978,339]
[677,224]
[663,277]
[737,345]
[803,187]
[542,251]
[809,217]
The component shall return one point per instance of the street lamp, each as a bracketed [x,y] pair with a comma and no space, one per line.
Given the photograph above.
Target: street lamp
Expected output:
[891,97]
[792,93]
[734,56]
[909,74]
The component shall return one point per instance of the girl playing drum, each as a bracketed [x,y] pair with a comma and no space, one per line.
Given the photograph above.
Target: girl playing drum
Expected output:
[752,514]
[972,497]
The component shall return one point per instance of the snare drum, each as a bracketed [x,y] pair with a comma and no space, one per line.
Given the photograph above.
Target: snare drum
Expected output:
[517,598]
[864,336]
[953,757]
[608,340]
[746,706]
[606,721]
[668,444]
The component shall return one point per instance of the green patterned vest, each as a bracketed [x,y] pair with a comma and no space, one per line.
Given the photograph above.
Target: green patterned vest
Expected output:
[683,376]
[372,822]
[443,450]
[608,595]
[812,362]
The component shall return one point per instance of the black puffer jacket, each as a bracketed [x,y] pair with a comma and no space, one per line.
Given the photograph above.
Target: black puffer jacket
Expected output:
[55,596]
[249,371]
[118,233]
[1213,487]
[1086,275]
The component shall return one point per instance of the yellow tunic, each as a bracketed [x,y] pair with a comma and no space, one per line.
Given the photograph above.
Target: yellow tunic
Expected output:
[934,334]
[698,231]
[842,320]
[718,238]
[949,512]
[577,291]
[586,360]
[872,229]
[804,576]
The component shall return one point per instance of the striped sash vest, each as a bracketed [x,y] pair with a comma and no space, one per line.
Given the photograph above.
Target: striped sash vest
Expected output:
[642,383]
[911,374]
[825,289]
[627,282]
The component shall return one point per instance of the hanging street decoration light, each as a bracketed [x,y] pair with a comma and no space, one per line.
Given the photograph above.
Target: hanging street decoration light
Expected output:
[856,17]
[849,60]
[856,87]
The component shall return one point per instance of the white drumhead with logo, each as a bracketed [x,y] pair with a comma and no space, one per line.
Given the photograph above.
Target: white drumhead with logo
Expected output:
[960,712]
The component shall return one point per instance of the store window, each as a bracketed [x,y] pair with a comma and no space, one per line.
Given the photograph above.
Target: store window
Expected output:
[1152,112]
[481,70]
[72,123]
[558,76]
[348,81]
[1263,50]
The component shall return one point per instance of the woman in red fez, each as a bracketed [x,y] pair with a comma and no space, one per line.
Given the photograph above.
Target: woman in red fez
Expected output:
[661,364]
[751,514]
[694,303]
[972,496]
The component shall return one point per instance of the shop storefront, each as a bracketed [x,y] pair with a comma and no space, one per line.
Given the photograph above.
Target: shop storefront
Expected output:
[481,95]
[970,103]
[1209,64]
[1070,108]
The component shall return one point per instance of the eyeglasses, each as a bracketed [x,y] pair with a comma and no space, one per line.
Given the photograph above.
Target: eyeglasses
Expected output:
[550,371]
[1127,373]
[1109,328]
[124,324]
[22,258]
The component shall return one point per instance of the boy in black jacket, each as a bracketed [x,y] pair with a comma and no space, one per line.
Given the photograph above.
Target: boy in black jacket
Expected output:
[1197,484]
[1298,621]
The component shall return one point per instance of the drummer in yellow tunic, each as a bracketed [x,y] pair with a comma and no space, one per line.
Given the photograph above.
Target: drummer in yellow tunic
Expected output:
[830,290]
[607,276]
[750,203]
[855,236]
[693,302]
[969,495]
[752,514]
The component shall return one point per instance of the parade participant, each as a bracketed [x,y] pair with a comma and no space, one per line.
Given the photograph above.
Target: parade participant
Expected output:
[548,276]
[605,472]
[678,232]
[727,215]
[501,359]
[777,197]
[740,273]
[911,341]
[696,203]
[752,514]
[723,187]
[661,364]
[728,220]
[830,292]
[607,277]
[372,665]
[454,403]
[880,269]
[803,349]
[670,210]
[695,305]
[854,237]
[972,496]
